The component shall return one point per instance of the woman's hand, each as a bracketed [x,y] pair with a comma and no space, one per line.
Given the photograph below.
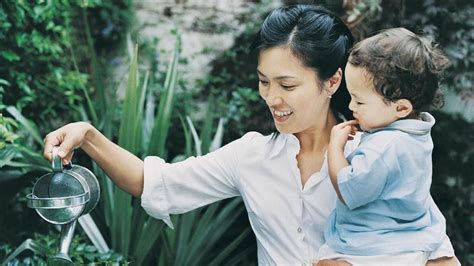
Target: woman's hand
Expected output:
[68,138]
[124,168]
[331,263]
[443,261]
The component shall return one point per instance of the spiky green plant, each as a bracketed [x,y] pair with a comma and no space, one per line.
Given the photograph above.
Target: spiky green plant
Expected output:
[133,233]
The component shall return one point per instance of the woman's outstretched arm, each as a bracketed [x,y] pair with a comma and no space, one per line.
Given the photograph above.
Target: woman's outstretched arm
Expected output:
[124,168]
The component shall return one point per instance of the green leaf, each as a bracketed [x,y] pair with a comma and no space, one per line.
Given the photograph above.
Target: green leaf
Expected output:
[129,139]
[29,126]
[6,155]
[4,82]
[207,127]
[28,244]
[9,56]
[130,123]
[160,130]
[197,140]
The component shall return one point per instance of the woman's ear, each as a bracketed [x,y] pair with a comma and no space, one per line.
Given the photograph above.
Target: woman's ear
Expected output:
[333,83]
[403,108]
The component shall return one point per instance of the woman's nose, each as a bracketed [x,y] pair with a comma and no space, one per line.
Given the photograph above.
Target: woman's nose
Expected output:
[272,97]
[275,101]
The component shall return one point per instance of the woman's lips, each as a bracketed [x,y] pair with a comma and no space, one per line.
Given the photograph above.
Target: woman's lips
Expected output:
[281,116]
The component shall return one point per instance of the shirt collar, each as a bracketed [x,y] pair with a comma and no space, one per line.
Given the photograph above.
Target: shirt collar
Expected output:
[277,143]
[420,126]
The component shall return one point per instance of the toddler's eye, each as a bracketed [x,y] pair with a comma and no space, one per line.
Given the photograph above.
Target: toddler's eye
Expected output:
[359,103]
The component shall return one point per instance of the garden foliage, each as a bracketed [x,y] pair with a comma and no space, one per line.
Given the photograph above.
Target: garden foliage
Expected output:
[53,58]
[131,233]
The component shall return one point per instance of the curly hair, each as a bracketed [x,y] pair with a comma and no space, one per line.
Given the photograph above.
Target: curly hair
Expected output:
[402,65]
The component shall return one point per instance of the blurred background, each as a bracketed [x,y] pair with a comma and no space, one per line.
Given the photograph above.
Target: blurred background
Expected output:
[183,67]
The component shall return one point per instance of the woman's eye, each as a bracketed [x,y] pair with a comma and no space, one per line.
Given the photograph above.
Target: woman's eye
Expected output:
[288,87]
[263,82]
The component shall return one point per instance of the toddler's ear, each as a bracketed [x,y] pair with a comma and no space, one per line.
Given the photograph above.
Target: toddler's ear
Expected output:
[403,108]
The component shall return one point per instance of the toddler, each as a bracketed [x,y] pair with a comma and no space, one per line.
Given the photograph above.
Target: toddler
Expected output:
[385,213]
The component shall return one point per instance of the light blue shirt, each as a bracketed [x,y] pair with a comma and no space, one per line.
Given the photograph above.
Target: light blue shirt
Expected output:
[386,189]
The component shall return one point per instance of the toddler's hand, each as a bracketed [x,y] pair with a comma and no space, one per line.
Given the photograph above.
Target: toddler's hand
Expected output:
[342,132]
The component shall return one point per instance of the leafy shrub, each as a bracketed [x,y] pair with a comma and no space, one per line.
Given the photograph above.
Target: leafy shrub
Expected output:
[44,73]
[449,23]
[233,81]
[453,186]
[38,68]
[132,232]
[42,246]
[7,135]
[35,41]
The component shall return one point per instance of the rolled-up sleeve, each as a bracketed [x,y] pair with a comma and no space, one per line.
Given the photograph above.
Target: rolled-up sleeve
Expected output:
[197,181]
[444,250]
[153,197]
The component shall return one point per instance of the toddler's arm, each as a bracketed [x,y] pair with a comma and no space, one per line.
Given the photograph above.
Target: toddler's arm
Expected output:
[339,135]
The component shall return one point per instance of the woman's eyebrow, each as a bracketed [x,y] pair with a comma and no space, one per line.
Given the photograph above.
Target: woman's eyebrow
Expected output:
[278,78]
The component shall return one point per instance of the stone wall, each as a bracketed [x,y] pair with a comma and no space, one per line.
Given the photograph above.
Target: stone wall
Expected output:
[207,28]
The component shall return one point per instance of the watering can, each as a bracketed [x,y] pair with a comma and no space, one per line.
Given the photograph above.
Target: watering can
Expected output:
[61,197]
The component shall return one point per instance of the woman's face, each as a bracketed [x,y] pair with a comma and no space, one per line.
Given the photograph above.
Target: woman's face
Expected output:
[291,91]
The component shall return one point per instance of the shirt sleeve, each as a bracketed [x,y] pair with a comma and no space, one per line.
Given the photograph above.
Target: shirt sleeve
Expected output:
[444,250]
[364,179]
[195,182]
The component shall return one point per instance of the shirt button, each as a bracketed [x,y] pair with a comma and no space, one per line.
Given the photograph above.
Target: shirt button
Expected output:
[300,230]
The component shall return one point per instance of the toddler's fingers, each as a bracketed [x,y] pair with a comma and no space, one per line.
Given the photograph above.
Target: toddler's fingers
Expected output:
[347,123]
[354,130]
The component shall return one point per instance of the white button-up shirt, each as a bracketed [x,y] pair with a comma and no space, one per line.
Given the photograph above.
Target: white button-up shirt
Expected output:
[288,219]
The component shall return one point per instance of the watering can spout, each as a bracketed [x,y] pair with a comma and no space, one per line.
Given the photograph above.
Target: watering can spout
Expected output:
[62,258]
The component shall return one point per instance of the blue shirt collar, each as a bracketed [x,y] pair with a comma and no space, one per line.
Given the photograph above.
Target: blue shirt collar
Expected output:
[420,126]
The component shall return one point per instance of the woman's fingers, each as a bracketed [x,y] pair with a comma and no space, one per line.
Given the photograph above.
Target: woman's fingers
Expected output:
[66,149]
[68,138]
[331,263]
[50,141]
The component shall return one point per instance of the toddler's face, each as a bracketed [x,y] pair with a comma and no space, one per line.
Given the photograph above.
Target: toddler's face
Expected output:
[368,107]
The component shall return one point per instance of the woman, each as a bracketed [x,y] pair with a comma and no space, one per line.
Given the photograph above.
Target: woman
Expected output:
[282,179]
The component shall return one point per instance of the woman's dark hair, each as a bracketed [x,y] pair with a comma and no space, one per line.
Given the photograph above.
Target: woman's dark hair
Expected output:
[315,35]
[402,65]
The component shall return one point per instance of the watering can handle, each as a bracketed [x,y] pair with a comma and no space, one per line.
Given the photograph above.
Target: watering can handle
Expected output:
[56,163]
[56,203]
